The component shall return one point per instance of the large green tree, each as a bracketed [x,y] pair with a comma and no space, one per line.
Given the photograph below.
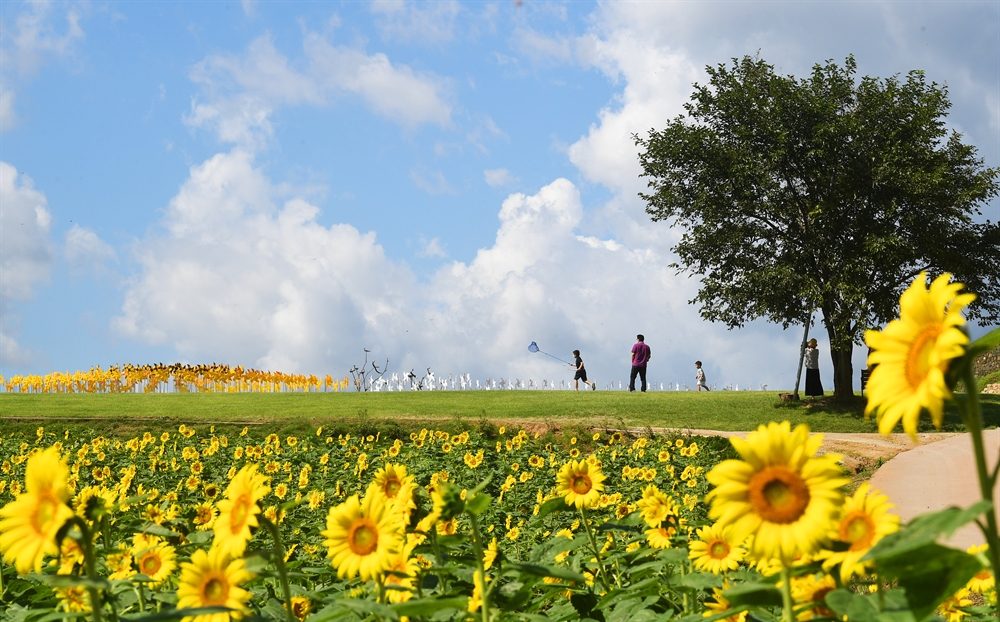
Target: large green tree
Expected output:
[825,193]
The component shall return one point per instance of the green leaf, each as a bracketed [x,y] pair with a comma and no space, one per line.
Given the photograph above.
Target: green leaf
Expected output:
[557,504]
[175,614]
[899,615]
[638,589]
[754,595]
[482,485]
[61,615]
[701,580]
[425,606]
[547,571]
[839,600]
[929,574]
[478,504]
[368,607]
[157,530]
[926,529]
[63,580]
[585,604]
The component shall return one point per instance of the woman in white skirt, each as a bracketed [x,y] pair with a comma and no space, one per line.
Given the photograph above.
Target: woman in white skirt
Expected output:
[814,387]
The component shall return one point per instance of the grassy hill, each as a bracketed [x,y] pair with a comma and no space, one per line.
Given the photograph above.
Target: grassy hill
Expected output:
[721,410]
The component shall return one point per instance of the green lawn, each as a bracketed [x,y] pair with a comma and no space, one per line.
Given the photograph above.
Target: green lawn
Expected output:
[720,410]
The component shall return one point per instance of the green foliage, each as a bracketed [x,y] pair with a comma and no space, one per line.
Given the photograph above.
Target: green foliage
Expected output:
[826,192]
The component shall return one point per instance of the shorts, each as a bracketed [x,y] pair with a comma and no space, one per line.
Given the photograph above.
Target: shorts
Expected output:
[581,374]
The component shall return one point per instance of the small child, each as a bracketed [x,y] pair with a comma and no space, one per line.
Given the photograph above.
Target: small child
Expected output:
[699,375]
[581,373]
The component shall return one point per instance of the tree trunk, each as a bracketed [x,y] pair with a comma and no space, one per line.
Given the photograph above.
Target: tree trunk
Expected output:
[843,373]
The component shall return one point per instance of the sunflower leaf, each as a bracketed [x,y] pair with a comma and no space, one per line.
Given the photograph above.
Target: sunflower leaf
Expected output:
[478,504]
[558,504]
[701,581]
[425,606]
[926,529]
[176,614]
[547,571]
[754,595]
[929,574]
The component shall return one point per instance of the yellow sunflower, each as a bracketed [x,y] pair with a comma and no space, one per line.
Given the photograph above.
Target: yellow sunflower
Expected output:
[238,511]
[401,574]
[715,550]
[361,535]
[28,525]
[580,483]
[781,492]
[491,551]
[204,515]
[301,606]
[913,352]
[213,579]
[661,537]
[73,599]
[949,609]
[812,589]
[721,605]
[655,506]
[865,519]
[393,482]
[983,582]
[157,563]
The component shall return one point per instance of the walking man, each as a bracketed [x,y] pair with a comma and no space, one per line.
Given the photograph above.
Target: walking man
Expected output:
[640,356]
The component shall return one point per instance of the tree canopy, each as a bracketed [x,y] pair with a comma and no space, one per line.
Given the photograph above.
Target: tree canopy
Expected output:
[827,193]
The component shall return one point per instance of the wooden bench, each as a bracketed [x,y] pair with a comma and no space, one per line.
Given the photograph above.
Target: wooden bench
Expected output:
[865,374]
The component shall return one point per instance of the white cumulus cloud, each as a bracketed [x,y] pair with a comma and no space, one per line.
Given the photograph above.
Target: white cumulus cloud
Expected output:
[418,22]
[496,177]
[242,275]
[240,93]
[26,252]
[41,31]
[86,251]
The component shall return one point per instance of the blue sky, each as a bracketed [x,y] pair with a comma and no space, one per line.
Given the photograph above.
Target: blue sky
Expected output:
[281,184]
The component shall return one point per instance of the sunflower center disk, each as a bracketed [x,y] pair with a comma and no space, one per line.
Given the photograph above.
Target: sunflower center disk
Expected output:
[918,362]
[241,511]
[392,487]
[718,549]
[363,537]
[215,592]
[858,529]
[150,565]
[778,494]
[580,484]
[42,519]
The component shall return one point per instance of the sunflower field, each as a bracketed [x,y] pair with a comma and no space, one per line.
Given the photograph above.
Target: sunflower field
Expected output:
[202,526]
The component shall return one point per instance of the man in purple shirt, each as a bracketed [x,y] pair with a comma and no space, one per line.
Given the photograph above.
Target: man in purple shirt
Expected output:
[640,356]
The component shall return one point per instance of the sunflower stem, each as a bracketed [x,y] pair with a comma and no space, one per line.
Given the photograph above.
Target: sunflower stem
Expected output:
[974,422]
[685,595]
[787,605]
[90,563]
[432,533]
[881,593]
[278,550]
[597,553]
[477,542]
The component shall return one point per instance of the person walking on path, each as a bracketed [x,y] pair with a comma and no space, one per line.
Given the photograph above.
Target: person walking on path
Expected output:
[640,356]
[814,387]
[699,376]
[581,373]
